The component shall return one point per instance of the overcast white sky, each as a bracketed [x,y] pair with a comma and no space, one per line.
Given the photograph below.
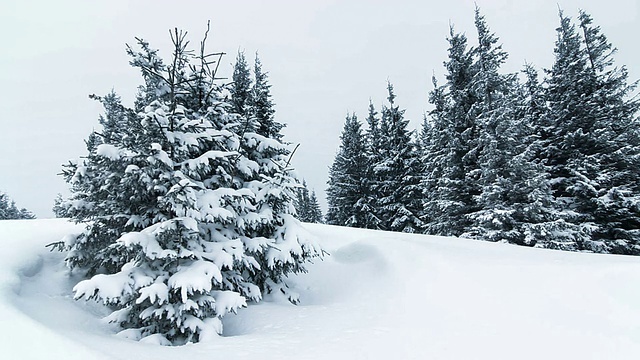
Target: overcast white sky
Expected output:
[325,58]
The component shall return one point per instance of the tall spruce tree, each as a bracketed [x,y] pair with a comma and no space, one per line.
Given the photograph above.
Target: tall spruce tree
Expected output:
[302,203]
[517,204]
[536,217]
[242,93]
[591,149]
[178,232]
[494,116]
[368,204]
[566,92]
[316,212]
[612,165]
[398,172]
[262,103]
[453,169]
[435,139]
[514,204]
[346,188]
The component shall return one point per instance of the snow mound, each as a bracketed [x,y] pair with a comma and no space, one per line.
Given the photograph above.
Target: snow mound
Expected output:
[378,295]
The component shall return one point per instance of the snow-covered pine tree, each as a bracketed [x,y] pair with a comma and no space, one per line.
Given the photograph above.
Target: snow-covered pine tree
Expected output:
[97,197]
[6,206]
[452,161]
[368,204]
[262,103]
[612,154]
[184,241]
[301,202]
[567,94]
[515,204]
[346,188]
[9,210]
[26,214]
[307,207]
[536,219]
[593,145]
[493,112]
[398,173]
[241,89]
[274,238]
[435,143]
[316,212]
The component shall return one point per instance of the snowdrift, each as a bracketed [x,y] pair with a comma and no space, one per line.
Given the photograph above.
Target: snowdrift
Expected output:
[378,295]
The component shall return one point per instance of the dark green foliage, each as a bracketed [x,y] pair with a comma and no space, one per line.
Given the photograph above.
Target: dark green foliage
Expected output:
[374,181]
[397,174]
[369,202]
[346,186]
[241,99]
[263,105]
[451,159]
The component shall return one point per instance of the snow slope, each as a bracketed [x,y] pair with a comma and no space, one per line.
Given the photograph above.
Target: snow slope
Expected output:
[377,296]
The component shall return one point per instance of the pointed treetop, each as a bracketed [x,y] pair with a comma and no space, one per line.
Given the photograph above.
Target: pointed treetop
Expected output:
[391,96]
[491,55]
[570,59]
[599,50]
[241,87]
[372,120]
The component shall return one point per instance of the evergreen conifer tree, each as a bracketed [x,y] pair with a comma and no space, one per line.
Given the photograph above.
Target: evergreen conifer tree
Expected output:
[435,139]
[307,207]
[346,188]
[263,105]
[398,172]
[452,169]
[97,197]
[265,170]
[179,230]
[514,203]
[368,203]
[241,88]
[592,147]
[316,213]
[493,113]
[517,204]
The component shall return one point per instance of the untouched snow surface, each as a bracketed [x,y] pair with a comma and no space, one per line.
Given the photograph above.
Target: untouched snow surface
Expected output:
[377,296]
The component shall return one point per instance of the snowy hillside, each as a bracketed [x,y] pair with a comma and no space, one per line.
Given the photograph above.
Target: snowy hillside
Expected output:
[377,296]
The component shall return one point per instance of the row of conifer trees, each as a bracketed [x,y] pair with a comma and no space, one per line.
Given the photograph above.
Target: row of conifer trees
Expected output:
[551,162]
[9,210]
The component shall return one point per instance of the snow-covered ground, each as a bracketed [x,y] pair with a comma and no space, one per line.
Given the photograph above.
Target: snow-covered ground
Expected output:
[377,296]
